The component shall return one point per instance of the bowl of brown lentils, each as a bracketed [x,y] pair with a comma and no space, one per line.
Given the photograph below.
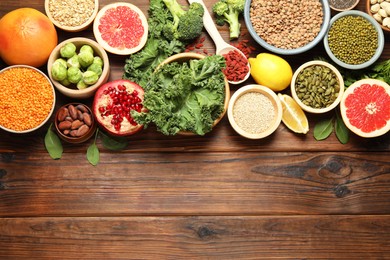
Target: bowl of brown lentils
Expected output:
[72,15]
[317,86]
[354,40]
[287,27]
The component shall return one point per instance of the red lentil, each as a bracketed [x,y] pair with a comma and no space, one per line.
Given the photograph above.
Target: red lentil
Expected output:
[236,66]
[26,98]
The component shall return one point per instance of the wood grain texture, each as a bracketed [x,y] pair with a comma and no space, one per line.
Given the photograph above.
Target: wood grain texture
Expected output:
[217,196]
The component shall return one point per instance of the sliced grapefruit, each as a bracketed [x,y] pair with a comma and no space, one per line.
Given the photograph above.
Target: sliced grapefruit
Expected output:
[365,107]
[293,116]
[121,28]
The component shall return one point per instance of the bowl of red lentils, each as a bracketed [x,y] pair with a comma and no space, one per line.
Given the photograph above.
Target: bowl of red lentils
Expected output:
[72,15]
[254,111]
[287,27]
[354,40]
[27,99]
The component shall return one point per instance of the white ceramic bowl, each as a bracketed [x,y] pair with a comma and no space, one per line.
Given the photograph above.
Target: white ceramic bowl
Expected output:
[238,119]
[381,40]
[54,18]
[277,50]
[72,91]
[30,109]
[309,108]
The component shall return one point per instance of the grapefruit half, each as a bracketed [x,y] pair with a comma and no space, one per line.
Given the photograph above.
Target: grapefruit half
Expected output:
[121,28]
[365,107]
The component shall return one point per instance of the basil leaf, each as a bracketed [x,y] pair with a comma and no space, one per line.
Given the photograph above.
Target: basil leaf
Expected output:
[113,143]
[53,144]
[342,131]
[323,129]
[93,154]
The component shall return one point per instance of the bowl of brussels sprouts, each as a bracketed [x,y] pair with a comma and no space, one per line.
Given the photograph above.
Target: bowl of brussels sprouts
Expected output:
[78,67]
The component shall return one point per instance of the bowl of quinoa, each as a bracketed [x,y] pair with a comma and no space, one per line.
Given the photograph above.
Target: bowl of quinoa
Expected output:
[354,40]
[72,15]
[254,111]
[27,99]
[287,27]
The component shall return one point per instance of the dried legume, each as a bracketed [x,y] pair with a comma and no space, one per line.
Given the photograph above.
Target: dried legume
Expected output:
[353,39]
[26,98]
[254,112]
[71,12]
[287,24]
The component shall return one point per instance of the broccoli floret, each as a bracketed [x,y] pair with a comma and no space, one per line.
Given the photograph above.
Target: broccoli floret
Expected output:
[229,11]
[187,24]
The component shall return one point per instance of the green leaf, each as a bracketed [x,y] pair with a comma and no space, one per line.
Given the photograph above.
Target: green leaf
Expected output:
[93,154]
[53,144]
[113,144]
[342,131]
[323,129]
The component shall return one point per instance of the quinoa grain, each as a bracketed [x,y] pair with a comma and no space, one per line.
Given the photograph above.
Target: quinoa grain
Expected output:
[71,13]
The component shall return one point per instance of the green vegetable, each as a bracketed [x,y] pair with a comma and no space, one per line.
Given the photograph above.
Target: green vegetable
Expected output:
[68,50]
[58,70]
[93,154]
[86,48]
[74,75]
[81,85]
[185,96]
[229,11]
[96,67]
[323,129]
[97,60]
[53,144]
[342,131]
[73,61]
[186,25]
[85,58]
[90,77]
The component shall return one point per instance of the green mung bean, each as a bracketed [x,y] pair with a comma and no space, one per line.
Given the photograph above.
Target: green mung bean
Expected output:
[317,86]
[353,39]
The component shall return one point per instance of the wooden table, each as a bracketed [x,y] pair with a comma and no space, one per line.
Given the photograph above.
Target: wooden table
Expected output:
[219,196]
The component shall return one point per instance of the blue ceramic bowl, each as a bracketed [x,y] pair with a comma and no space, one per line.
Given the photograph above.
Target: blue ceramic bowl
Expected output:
[271,48]
[381,40]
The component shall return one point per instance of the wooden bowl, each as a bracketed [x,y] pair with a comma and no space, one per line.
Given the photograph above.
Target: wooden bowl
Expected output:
[72,91]
[56,19]
[368,11]
[184,57]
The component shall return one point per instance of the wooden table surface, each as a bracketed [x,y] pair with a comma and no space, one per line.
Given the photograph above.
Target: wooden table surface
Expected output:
[219,196]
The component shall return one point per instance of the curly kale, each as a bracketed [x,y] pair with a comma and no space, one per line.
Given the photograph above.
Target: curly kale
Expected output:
[229,11]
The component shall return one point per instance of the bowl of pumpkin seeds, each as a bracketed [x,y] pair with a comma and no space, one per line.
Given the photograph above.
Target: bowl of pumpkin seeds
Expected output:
[317,86]
[354,40]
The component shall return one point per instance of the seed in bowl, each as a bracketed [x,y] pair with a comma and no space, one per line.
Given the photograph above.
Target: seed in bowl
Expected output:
[353,39]
[71,13]
[253,112]
[287,24]
[317,86]
[26,98]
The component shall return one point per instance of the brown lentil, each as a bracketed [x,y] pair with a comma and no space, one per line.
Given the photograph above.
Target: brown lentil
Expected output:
[71,12]
[26,98]
[287,24]
[253,112]
[353,39]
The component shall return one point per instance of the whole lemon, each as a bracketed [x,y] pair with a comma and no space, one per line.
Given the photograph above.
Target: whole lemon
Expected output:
[271,71]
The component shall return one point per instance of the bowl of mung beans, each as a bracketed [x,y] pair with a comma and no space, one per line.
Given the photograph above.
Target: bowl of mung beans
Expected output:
[72,15]
[27,99]
[287,27]
[317,86]
[354,40]
[254,111]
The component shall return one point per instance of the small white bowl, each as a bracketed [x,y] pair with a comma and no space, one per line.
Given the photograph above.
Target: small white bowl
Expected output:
[268,94]
[298,99]
[72,91]
[76,28]
[16,99]
[381,40]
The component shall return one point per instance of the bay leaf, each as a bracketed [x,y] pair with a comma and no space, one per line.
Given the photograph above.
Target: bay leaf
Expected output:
[341,130]
[93,154]
[323,129]
[113,144]
[53,144]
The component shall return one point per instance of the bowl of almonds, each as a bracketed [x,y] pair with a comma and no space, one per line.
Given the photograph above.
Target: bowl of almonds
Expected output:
[75,123]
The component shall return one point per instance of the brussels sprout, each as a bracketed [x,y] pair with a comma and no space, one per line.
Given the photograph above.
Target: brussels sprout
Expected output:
[81,85]
[85,59]
[86,48]
[65,82]
[98,60]
[74,75]
[90,77]
[73,62]
[61,61]
[68,50]
[95,68]
[58,70]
